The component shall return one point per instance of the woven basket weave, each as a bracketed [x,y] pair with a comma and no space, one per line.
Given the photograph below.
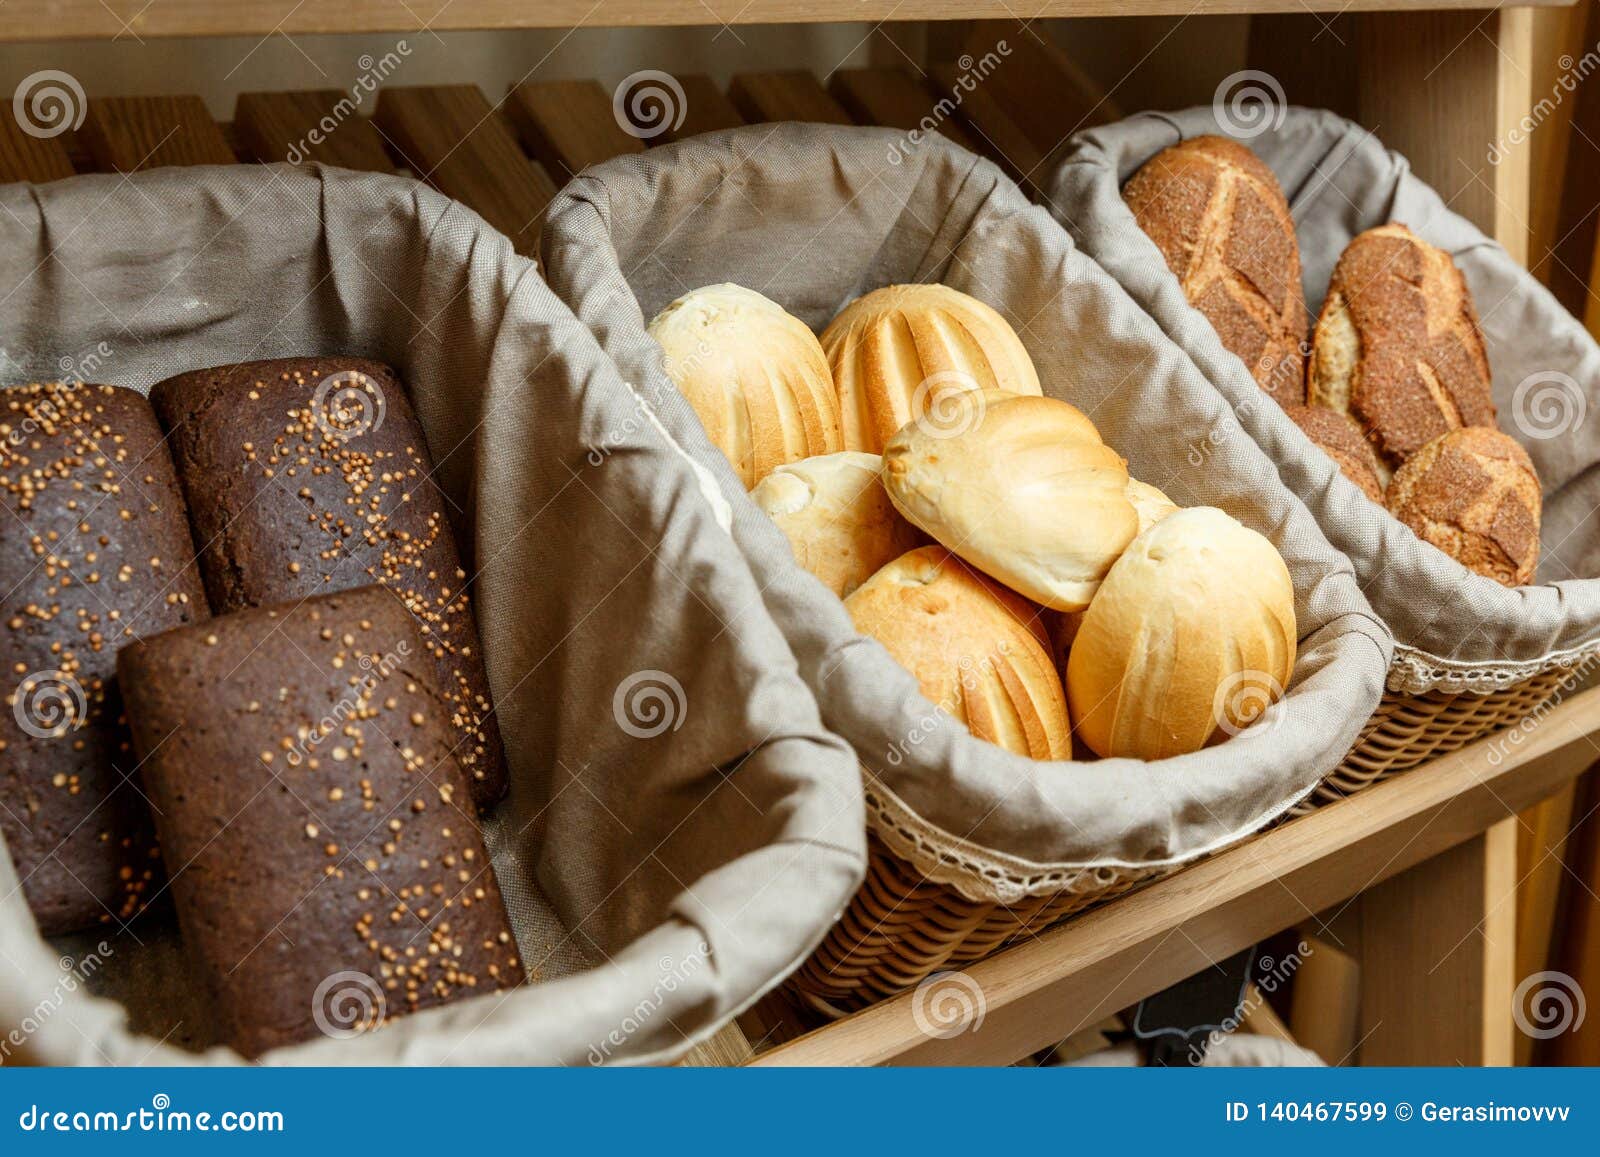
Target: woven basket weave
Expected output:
[902,928]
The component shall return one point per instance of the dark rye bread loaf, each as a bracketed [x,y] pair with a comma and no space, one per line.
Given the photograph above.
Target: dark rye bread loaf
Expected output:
[312,475]
[329,873]
[94,551]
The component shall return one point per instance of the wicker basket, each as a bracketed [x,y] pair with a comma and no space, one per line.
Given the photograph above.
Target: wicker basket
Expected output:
[1408,730]
[902,928]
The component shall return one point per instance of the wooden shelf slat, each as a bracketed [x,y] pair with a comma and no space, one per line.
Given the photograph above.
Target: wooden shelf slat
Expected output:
[892,97]
[706,110]
[80,19]
[1042,990]
[790,95]
[568,125]
[24,157]
[275,126]
[130,133]
[452,138]
[998,134]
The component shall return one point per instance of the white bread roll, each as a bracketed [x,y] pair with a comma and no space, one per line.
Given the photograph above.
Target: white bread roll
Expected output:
[1149,503]
[1190,638]
[895,351]
[978,650]
[754,374]
[1022,488]
[836,516]
[1152,506]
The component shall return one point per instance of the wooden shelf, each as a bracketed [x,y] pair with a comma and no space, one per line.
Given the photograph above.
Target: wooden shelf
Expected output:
[86,19]
[1069,978]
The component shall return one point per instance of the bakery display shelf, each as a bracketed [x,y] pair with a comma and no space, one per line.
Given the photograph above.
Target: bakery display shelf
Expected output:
[59,19]
[1436,839]
[1390,838]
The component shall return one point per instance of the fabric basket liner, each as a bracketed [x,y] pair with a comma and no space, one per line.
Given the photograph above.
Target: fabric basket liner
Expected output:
[662,873]
[1455,631]
[813,216]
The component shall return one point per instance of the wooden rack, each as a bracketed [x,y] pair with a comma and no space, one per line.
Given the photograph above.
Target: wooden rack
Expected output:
[1439,86]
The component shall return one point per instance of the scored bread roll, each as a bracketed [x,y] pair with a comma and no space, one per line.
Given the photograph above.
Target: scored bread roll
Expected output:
[1152,506]
[836,516]
[1397,346]
[1474,494]
[1338,436]
[1220,219]
[898,351]
[755,376]
[1022,488]
[1192,635]
[1149,503]
[978,651]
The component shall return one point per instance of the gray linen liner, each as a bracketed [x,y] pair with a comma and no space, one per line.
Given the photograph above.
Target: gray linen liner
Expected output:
[1455,631]
[658,881]
[813,216]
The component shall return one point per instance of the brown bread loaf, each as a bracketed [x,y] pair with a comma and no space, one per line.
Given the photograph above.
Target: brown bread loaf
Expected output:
[1474,494]
[1338,436]
[1397,346]
[1220,219]
[310,475]
[328,871]
[94,551]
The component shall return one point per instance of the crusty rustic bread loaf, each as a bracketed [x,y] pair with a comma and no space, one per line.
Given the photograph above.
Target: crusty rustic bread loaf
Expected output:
[1027,492]
[1474,494]
[1220,219]
[980,652]
[328,870]
[755,376]
[94,552]
[1397,346]
[310,475]
[899,352]
[1338,436]
[836,516]
[1192,635]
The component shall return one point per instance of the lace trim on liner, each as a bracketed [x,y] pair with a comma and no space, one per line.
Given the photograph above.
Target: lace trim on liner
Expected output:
[1415,672]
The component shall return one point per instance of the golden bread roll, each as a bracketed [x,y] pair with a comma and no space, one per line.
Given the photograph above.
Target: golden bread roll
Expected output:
[1027,493]
[1149,503]
[1397,346]
[1338,436]
[978,651]
[1474,494]
[836,516]
[754,374]
[899,350]
[1191,637]
[1220,219]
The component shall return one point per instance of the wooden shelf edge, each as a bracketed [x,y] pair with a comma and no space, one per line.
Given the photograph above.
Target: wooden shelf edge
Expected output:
[33,20]
[1041,991]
